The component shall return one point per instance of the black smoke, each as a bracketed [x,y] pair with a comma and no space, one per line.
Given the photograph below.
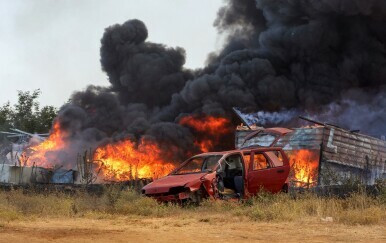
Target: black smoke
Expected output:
[279,56]
[139,71]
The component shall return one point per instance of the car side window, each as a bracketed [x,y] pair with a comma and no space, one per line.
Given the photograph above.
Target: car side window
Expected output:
[276,158]
[260,162]
[234,162]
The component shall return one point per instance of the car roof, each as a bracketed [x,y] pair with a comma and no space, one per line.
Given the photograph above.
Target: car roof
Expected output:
[239,151]
[216,153]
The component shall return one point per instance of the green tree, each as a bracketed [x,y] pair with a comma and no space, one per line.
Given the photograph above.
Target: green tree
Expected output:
[26,115]
[6,114]
[45,117]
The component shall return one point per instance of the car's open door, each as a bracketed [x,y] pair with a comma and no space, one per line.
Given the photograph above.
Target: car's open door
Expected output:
[268,170]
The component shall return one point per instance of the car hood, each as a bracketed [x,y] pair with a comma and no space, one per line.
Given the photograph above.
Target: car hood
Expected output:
[164,184]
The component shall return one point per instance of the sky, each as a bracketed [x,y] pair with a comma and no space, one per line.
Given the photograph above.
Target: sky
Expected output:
[54,45]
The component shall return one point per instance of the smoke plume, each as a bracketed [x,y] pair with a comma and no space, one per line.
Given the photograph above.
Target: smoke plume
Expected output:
[322,58]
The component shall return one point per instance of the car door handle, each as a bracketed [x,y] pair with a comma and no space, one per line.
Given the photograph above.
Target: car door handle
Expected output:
[280,171]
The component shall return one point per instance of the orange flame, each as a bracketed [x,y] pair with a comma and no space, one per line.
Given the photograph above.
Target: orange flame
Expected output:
[304,166]
[209,128]
[39,154]
[124,161]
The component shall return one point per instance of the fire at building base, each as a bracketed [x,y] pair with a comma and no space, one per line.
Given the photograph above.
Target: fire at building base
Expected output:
[319,155]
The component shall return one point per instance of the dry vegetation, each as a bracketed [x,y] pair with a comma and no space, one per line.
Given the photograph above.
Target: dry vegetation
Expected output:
[357,210]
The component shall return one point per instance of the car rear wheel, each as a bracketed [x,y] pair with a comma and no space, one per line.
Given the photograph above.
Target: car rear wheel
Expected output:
[285,188]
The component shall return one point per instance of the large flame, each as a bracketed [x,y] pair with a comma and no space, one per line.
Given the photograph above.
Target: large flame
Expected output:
[304,167]
[209,130]
[124,161]
[39,155]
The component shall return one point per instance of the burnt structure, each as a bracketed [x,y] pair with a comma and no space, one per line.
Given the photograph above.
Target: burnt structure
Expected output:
[344,156]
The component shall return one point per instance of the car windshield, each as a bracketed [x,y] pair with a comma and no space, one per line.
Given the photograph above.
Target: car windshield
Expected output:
[261,139]
[199,164]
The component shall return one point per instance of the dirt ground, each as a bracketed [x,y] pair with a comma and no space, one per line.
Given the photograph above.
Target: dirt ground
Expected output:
[189,229]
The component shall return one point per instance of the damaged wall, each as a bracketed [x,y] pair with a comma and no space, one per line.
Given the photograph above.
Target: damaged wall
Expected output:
[11,174]
[348,156]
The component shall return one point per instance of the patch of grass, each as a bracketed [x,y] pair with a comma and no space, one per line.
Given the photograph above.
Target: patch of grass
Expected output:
[7,215]
[7,212]
[358,208]
[144,206]
[368,216]
[204,220]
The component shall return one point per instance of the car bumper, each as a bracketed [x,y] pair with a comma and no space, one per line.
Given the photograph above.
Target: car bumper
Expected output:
[169,198]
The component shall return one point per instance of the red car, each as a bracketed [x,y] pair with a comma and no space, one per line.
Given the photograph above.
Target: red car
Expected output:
[229,174]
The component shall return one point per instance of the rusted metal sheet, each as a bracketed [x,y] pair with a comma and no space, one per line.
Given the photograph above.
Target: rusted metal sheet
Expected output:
[299,138]
[302,138]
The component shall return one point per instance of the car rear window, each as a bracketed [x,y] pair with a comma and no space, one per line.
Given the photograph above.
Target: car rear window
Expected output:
[260,162]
